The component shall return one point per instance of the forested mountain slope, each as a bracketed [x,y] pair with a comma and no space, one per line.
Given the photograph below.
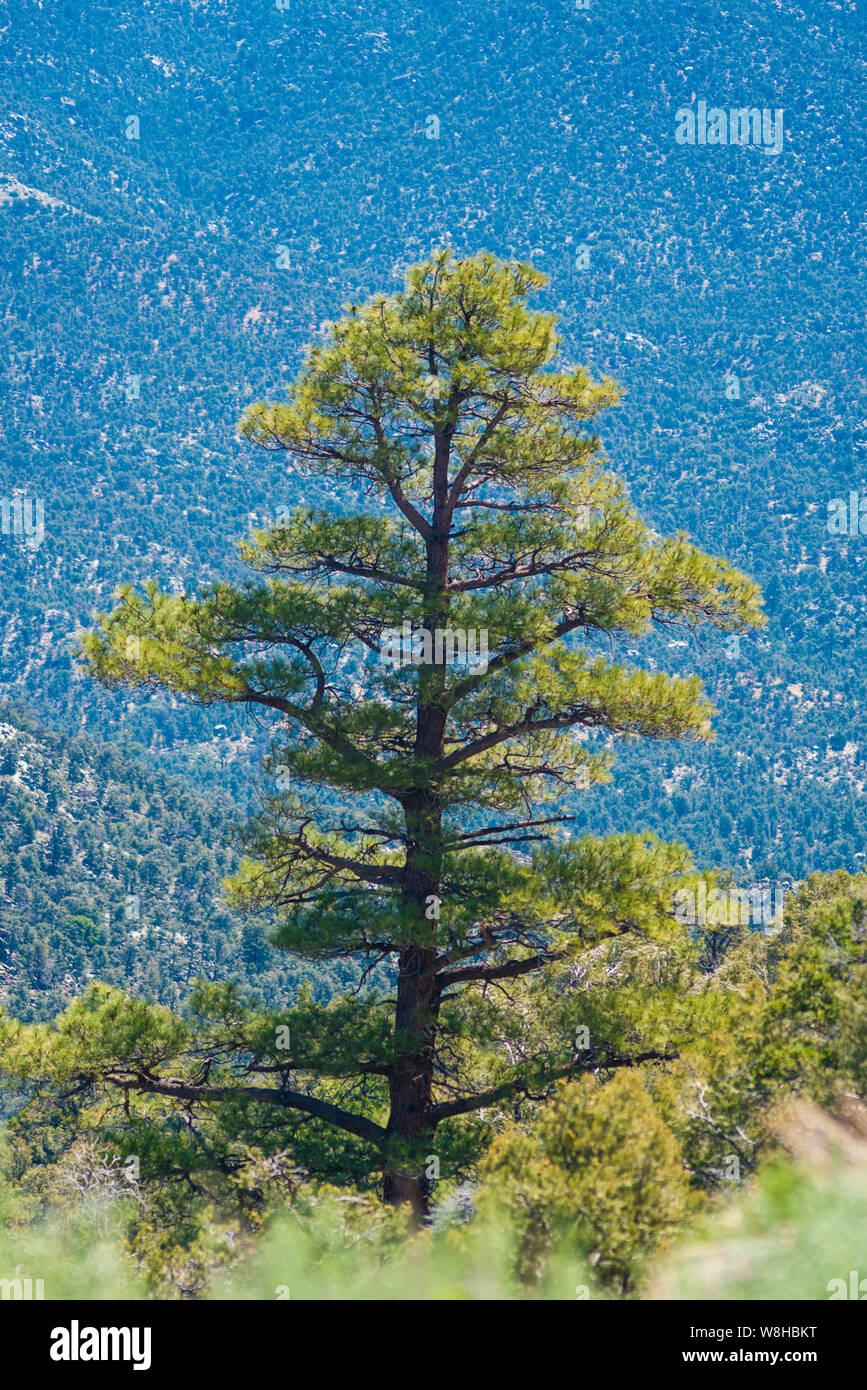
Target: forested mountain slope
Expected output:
[189,191]
[110,871]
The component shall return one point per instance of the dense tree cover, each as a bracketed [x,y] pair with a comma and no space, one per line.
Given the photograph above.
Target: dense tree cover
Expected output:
[483,505]
[110,870]
[153,287]
[159,258]
[607,1171]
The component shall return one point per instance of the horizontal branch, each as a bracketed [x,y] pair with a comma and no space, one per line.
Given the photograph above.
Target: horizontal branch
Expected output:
[330,564]
[447,1110]
[578,715]
[290,1100]
[507,971]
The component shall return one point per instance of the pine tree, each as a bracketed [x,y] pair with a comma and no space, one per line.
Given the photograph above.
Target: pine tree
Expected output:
[415,815]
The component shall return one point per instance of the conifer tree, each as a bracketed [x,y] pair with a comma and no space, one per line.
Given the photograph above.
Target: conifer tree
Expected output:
[417,812]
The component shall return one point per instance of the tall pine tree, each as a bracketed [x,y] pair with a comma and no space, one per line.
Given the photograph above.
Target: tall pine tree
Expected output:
[434,661]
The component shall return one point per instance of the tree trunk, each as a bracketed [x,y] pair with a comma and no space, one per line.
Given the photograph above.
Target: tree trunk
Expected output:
[400,1187]
[410,1131]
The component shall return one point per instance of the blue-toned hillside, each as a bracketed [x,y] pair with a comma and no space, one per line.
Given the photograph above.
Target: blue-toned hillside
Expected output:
[188,191]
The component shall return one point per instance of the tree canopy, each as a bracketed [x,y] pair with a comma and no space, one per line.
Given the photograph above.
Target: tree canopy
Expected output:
[412,812]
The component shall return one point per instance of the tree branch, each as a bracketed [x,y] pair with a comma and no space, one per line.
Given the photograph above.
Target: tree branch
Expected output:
[449,1109]
[507,971]
[291,1100]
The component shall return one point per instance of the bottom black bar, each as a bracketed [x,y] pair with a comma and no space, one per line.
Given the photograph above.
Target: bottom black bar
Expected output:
[83,1340]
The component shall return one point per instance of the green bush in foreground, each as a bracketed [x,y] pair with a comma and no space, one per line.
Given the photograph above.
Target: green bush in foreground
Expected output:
[331,1257]
[601,1169]
[787,1237]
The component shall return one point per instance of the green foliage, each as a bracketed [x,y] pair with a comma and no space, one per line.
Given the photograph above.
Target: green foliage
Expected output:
[748,1018]
[73,1241]
[791,1235]
[157,485]
[599,1175]
[339,1248]
[599,1171]
[407,827]
[781,1013]
[814,1037]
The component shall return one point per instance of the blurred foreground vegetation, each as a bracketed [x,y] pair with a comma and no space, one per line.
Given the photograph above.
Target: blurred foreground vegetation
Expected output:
[735,1171]
[795,1229]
